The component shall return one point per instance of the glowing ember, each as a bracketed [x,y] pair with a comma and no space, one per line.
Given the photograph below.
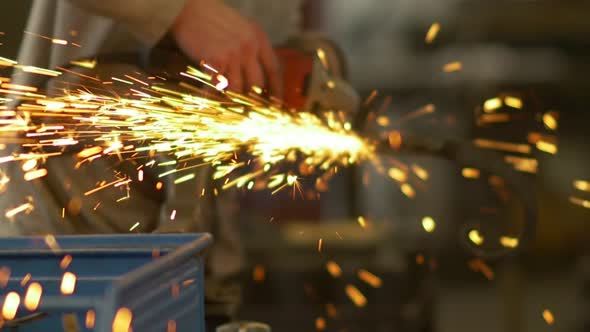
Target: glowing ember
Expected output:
[68,283]
[509,242]
[90,319]
[548,317]
[362,222]
[122,320]
[356,296]
[420,172]
[36,174]
[259,273]
[470,173]
[475,237]
[397,174]
[10,307]
[550,120]
[513,102]
[370,278]
[65,262]
[4,276]
[428,224]
[408,190]
[580,202]
[548,147]
[432,33]
[582,185]
[491,105]
[503,146]
[452,67]
[33,296]
[479,265]
[334,269]
[26,279]
[320,324]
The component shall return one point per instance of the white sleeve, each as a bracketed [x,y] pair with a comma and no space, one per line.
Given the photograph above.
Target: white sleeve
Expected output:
[149,20]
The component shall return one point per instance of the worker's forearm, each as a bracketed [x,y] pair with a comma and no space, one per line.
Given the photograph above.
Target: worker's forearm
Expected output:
[149,20]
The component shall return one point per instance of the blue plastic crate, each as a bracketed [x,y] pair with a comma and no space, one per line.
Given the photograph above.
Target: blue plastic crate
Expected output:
[158,277]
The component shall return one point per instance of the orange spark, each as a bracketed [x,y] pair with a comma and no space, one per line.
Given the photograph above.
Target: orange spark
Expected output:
[334,269]
[10,307]
[90,319]
[432,32]
[68,283]
[122,320]
[371,279]
[65,262]
[356,296]
[33,296]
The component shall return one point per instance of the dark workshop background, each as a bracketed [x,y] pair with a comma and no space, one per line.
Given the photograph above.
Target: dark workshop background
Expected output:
[538,50]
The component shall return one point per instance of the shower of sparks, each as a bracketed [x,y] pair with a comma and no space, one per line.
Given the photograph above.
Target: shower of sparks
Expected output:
[408,190]
[171,326]
[250,142]
[191,129]
[528,165]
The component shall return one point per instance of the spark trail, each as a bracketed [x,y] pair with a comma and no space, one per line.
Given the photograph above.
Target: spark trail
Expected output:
[144,116]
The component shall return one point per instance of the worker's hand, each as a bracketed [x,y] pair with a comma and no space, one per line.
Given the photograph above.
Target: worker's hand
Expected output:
[212,31]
